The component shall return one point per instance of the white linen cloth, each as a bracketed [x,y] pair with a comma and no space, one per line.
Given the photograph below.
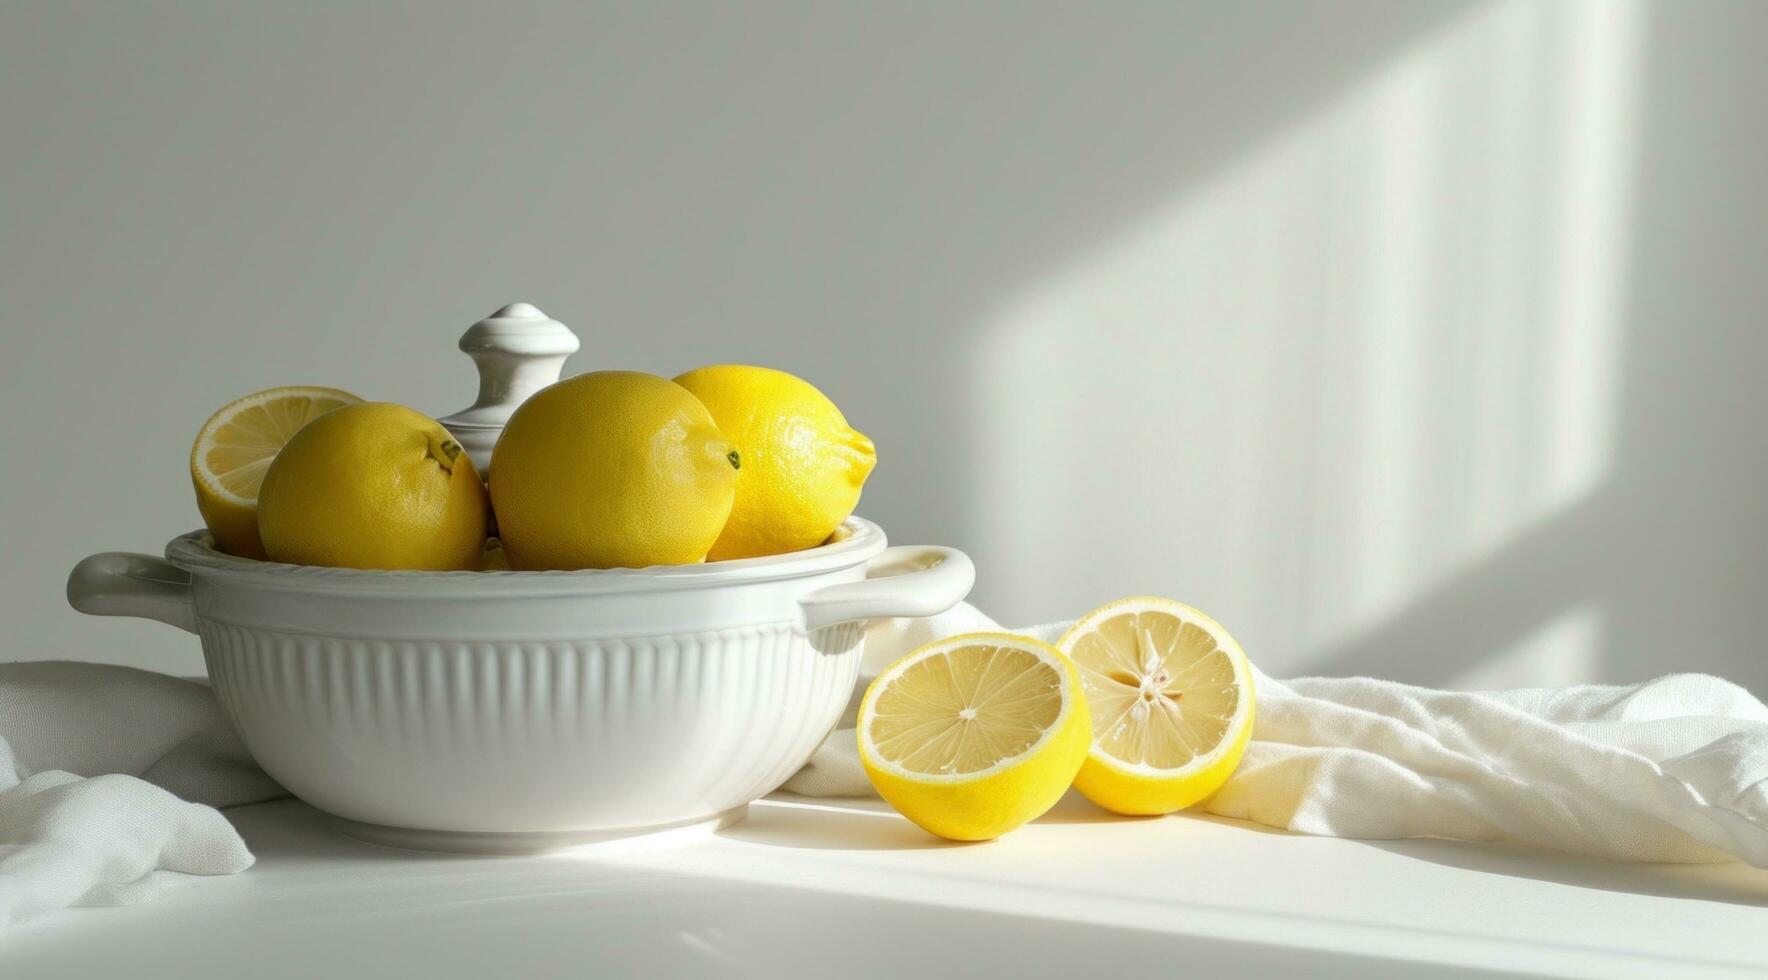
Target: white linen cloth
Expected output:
[1674,769]
[94,761]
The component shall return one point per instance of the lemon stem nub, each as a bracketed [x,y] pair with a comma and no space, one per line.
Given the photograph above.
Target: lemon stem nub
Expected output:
[451,450]
[736,460]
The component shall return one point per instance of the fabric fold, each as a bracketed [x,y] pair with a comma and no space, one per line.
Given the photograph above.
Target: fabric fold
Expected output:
[1673,769]
[109,780]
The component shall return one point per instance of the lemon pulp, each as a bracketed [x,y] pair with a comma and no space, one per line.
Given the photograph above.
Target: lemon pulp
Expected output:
[1172,700]
[973,736]
[234,450]
[966,710]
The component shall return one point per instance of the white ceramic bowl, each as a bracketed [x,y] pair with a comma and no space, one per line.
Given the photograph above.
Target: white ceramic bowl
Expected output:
[503,711]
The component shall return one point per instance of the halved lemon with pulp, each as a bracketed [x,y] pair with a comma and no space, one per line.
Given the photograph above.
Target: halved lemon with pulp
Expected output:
[234,449]
[974,735]
[1172,701]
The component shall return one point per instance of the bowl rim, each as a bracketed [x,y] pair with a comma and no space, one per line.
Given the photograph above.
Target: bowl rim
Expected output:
[856,541]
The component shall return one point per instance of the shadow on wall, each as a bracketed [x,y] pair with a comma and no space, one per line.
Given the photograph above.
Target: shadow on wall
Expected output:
[837,190]
[1379,375]
[1437,360]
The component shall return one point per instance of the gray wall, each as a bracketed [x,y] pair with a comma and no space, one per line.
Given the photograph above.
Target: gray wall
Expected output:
[1413,339]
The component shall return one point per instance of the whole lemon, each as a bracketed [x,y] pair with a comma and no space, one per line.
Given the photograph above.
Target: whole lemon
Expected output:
[611,469]
[373,486]
[803,465]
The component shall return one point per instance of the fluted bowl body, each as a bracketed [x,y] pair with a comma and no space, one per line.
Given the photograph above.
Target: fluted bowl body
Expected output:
[500,710]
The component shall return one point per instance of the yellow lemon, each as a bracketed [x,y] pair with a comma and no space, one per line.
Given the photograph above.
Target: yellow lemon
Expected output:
[374,486]
[234,449]
[1172,701]
[803,465]
[974,735]
[611,469]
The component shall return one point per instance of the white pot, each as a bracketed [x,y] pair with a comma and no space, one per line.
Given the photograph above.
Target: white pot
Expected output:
[523,710]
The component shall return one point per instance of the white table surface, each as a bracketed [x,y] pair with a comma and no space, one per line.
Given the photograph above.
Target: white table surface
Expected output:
[847,888]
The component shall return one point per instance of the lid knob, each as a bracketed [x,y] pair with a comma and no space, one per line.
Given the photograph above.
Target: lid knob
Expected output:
[519,350]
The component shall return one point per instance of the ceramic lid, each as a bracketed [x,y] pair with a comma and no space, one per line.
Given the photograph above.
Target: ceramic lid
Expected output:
[518,350]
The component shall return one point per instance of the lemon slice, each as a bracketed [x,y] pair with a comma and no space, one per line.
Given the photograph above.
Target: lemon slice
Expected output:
[974,735]
[235,448]
[1172,701]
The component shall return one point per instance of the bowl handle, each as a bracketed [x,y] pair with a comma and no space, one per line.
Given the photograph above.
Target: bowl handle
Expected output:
[913,580]
[122,583]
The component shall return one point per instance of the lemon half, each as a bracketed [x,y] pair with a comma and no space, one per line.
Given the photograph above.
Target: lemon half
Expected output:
[1172,699]
[974,735]
[233,452]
